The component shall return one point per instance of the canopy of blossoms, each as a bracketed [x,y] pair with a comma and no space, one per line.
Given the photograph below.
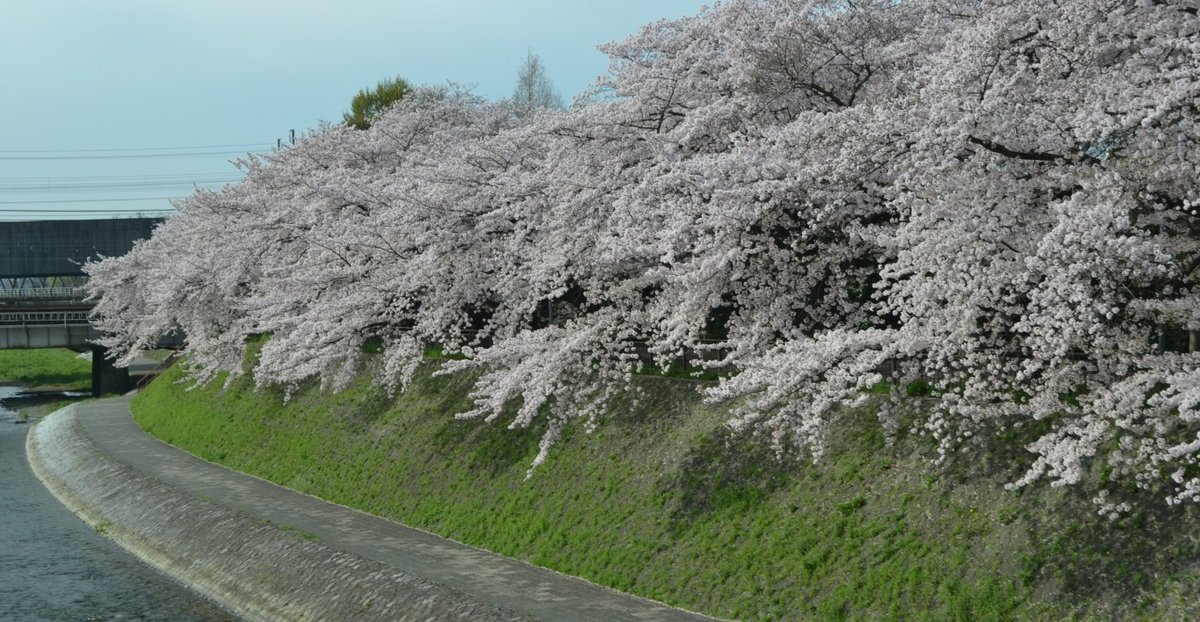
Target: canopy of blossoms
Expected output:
[996,197]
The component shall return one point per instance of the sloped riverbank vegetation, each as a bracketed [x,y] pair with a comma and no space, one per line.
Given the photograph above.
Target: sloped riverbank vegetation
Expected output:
[47,369]
[666,501]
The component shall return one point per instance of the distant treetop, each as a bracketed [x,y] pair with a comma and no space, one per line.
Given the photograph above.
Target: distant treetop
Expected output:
[534,88]
[369,103]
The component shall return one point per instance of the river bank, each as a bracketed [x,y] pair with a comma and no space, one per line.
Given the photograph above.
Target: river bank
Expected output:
[29,405]
[664,500]
[46,369]
[34,383]
[269,553]
[56,567]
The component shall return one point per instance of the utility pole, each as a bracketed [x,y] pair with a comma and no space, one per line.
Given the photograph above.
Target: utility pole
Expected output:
[293,135]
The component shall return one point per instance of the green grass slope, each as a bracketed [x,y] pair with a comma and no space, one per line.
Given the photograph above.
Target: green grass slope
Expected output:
[46,369]
[664,501]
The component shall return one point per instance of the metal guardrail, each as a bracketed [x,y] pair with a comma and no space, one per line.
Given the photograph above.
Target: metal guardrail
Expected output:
[39,293]
[43,318]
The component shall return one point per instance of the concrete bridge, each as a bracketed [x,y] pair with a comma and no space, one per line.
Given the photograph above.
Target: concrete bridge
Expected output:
[42,286]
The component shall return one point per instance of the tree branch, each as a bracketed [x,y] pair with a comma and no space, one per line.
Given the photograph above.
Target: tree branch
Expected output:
[994,147]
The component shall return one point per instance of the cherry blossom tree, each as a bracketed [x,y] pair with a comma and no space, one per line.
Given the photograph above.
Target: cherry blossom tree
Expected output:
[996,198]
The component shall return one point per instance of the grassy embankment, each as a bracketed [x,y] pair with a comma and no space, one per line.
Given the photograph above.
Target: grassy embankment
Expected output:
[45,370]
[662,500]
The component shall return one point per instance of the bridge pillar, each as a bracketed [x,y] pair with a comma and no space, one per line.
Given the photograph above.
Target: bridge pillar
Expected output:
[106,377]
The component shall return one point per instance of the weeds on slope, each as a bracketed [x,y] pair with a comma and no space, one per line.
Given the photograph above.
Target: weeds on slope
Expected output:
[666,501]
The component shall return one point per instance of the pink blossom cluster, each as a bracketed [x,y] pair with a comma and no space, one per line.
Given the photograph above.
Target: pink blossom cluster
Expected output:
[996,197]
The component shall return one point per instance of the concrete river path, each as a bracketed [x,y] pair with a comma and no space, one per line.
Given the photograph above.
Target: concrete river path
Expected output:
[54,567]
[269,553]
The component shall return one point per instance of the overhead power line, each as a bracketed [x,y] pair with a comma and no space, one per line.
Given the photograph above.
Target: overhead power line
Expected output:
[126,149]
[100,212]
[179,176]
[140,156]
[106,187]
[119,200]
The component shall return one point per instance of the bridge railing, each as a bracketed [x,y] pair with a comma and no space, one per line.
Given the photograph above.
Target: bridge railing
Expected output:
[41,293]
[43,318]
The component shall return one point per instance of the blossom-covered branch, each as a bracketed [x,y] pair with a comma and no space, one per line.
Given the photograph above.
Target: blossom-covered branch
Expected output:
[998,198]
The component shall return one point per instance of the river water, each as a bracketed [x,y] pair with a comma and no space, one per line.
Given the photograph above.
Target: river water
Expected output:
[55,568]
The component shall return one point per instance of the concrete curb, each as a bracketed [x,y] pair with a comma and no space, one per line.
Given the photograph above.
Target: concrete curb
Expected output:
[251,567]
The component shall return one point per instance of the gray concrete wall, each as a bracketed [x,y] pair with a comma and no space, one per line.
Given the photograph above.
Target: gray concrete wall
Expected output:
[59,247]
[55,336]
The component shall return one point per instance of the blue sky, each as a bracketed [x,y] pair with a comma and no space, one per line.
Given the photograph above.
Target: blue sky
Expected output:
[103,75]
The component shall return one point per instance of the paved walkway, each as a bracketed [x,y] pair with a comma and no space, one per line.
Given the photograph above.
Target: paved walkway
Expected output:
[491,579]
